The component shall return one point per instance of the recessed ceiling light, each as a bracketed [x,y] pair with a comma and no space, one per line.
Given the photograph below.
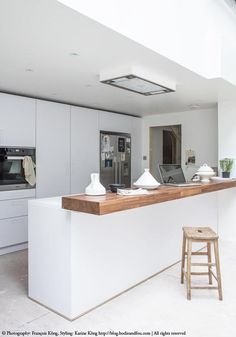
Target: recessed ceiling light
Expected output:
[73,54]
[29,69]
[194,106]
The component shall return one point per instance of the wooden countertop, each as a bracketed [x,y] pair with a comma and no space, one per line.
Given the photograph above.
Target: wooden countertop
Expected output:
[111,202]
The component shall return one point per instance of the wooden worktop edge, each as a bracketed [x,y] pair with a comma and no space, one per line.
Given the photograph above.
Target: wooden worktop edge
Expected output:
[114,203]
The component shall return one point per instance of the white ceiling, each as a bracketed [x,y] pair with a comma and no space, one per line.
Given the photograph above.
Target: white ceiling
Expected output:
[41,35]
[232,5]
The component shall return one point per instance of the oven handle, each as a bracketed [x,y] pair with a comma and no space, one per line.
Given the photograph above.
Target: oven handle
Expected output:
[15,157]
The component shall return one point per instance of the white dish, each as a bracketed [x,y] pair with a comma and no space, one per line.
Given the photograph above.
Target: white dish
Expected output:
[205,172]
[220,179]
[147,187]
[146,180]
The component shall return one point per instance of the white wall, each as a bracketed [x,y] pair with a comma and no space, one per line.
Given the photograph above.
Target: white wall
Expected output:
[199,133]
[155,149]
[189,32]
[227,148]
[228,57]
[227,131]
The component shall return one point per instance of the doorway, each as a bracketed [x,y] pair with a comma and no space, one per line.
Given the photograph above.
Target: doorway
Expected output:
[165,147]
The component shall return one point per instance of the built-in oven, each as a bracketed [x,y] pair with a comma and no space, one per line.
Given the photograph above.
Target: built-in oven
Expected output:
[12,174]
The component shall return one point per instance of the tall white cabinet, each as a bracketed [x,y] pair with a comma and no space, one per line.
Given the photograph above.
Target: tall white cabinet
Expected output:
[17,128]
[17,121]
[84,147]
[52,149]
[67,142]
[67,145]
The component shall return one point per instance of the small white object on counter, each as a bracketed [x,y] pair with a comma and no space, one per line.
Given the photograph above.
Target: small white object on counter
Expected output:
[147,181]
[139,191]
[95,187]
[205,172]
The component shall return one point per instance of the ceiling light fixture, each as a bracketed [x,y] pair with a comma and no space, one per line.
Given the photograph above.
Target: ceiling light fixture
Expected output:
[139,81]
[194,106]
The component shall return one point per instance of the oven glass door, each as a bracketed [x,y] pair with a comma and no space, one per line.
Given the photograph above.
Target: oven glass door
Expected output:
[11,172]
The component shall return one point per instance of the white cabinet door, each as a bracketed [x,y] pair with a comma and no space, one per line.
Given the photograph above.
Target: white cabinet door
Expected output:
[17,121]
[84,147]
[52,149]
[13,231]
[13,208]
[109,121]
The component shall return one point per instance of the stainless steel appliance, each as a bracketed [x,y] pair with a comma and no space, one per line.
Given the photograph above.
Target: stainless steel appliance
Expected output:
[115,158]
[11,170]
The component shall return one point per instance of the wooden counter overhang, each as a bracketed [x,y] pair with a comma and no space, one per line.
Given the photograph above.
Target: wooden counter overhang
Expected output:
[111,202]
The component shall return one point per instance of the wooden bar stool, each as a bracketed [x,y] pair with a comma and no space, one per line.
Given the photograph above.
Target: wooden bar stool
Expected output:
[200,234]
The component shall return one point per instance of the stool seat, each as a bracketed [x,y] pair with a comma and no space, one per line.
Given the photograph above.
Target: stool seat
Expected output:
[200,233]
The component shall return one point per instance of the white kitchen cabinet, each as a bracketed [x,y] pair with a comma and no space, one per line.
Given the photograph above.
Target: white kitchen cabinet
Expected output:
[13,231]
[52,149]
[109,121]
[17,121]
[84,147]
[13,208]
[17,194]
[14,219]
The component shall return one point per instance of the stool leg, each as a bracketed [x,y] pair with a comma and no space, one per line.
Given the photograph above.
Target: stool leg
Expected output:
[209,261]
[189,253]
[183,259]
[217,259]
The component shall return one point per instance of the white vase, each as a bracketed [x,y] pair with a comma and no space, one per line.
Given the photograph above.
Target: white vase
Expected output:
[95,187]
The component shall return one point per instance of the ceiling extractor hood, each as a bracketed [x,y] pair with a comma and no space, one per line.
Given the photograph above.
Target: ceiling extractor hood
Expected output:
[139,80]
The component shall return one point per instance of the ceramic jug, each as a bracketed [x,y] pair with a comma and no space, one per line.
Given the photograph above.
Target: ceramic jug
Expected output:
[95,187]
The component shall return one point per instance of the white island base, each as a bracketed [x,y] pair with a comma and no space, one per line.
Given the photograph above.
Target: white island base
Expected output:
[78,261]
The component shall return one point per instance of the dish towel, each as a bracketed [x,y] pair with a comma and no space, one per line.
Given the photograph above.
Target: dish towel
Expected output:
[139,191]
[29,166]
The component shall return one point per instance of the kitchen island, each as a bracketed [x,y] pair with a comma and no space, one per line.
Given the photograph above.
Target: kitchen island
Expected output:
[78,260]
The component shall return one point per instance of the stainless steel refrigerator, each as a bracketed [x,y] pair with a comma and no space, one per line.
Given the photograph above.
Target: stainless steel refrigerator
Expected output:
[115,158]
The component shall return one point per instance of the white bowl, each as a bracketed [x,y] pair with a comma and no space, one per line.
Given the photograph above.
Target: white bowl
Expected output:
[205,176]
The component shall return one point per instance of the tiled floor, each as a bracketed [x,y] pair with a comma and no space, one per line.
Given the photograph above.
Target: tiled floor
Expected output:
[157,305]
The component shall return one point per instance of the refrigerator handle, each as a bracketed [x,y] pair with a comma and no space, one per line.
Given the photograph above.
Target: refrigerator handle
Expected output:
[115,164]
[119,170]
